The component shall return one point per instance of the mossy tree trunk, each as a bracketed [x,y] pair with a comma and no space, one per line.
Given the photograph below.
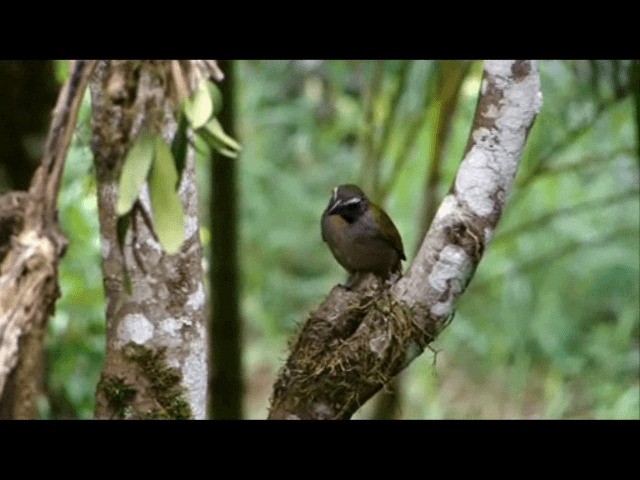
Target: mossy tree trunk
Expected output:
[358,340]
[156,356]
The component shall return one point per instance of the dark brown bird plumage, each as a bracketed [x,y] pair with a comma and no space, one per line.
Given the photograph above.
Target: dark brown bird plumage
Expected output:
[360,234]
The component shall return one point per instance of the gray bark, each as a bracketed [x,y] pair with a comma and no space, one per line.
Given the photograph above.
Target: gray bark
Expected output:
[156,358]
[357,341]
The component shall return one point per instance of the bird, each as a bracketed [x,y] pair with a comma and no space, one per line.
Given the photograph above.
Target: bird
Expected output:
[360,235]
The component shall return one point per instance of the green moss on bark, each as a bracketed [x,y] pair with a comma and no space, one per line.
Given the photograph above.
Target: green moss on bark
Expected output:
[165,383]
[119,394]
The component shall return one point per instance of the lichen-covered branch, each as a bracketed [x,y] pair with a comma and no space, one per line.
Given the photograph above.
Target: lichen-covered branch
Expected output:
[356,341]
[31,245]
[156,360]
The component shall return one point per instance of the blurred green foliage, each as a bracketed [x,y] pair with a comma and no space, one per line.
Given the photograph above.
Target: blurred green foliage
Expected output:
[549,327]
[75,343]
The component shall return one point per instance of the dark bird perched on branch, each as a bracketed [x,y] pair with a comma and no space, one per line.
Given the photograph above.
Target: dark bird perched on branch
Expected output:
[361,235]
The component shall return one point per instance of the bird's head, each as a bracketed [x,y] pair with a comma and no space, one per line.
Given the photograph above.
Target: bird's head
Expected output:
[348,201]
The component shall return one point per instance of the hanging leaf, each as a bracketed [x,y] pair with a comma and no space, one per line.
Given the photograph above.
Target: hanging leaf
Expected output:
[179,144]
[134,171]
[168,216]
[216,137]
[198,147]
[215,144]
[122,225]
[199,107]
[216,97]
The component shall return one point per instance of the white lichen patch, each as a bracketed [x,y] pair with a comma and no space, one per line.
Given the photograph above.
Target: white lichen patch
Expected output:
[377,344]
[488,235]
[322,410]
[150,242]
[106,247]
[490,165]
[500,68]
[448,206]
[194,375]
[196,299]
[442,309]
[136,328]
[173,362]
[478,177]
[170,331]
[452,264]
[171,326]
[191,226]
[492,112]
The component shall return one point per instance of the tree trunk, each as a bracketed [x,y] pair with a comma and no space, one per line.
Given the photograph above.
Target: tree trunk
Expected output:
[226,386]
[357,341]
[31,245]
[156,356]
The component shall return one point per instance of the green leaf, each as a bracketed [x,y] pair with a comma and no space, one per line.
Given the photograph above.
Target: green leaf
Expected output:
[123,224]
[198,147]
[62,71]
[215,144]
[216,137]
[135,171]
[199,107]
[168,216]
[216,97]
[216,130]
[179,144]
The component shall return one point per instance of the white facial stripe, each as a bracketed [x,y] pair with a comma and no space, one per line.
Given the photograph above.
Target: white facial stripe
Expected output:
[334,205]
[351,201]
[335,193]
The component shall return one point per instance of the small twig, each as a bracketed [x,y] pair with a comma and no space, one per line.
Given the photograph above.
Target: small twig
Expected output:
[46,181]
[214,70]
[179,80]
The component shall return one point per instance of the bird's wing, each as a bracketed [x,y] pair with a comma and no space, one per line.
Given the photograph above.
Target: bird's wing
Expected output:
[389,233]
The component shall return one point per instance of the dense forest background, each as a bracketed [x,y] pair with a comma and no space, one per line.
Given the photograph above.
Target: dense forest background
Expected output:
[549,326]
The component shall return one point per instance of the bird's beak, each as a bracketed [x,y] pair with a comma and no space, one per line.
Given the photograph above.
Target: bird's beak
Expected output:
[334,206]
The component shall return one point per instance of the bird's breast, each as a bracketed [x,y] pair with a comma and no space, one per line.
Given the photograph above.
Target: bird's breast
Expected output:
[355,247]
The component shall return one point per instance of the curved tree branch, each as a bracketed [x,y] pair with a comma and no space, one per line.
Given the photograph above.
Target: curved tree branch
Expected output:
[29,263]
[356,341]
